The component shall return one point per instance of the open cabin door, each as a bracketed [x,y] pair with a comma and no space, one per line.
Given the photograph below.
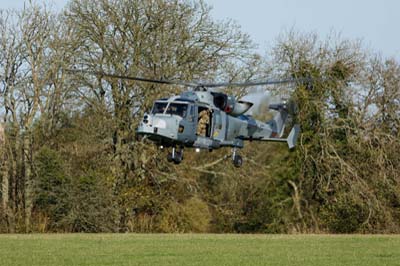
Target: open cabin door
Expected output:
[218,131]
[190,122]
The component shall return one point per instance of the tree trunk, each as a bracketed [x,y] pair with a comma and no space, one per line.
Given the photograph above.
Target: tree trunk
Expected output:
[5,179]
[28,192]
[6,184]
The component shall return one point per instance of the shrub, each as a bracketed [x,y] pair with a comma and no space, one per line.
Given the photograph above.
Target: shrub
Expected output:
[191,216]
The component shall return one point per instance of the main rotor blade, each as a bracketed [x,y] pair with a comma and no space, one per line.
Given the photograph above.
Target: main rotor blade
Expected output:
[157,81]
[194,84]
[255,83]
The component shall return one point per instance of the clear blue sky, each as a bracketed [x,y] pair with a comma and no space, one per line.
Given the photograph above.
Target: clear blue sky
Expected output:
[376,22]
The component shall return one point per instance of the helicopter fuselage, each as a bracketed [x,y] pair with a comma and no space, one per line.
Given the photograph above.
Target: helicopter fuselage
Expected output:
[174,122]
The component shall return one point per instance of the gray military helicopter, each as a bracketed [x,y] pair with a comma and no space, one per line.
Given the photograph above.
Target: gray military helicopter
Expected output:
[205,119]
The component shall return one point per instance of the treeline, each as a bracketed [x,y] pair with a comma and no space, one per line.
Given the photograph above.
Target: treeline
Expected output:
[69,161]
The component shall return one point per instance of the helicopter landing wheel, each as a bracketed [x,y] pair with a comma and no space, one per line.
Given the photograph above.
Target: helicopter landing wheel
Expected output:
[237,160]
[175,156]
[178,157]
[169,157]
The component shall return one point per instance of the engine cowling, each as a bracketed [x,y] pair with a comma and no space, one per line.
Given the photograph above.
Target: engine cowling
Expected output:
[241,107]
[229,104]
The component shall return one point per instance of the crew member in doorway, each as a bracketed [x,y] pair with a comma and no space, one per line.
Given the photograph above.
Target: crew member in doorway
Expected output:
[204,121]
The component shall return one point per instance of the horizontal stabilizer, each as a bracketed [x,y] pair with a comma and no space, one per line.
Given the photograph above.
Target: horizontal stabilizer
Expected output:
[290,140]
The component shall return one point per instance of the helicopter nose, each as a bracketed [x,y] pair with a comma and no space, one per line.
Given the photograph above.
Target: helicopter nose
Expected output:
[145,119]
[159,126]
[160,123]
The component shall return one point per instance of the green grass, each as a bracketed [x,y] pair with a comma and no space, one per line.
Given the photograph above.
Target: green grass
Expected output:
[193,249]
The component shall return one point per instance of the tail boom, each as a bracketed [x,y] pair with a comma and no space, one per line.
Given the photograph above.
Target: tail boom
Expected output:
[290,140]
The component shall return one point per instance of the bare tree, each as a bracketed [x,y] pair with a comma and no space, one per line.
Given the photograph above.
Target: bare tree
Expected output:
[10,66]
[31,90]
[154,39]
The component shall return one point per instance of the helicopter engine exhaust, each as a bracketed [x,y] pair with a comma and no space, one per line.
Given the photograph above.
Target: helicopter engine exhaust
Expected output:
[230,105]
[240,107]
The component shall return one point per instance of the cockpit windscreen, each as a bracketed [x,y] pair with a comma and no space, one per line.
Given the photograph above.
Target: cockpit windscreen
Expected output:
[177,109]
[159,108]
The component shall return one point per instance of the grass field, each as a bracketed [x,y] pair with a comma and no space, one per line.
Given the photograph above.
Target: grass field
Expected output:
[193,249]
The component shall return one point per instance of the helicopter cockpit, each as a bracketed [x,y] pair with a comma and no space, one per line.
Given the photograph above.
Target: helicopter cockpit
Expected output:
[171,108]
[159,108]
[170,121]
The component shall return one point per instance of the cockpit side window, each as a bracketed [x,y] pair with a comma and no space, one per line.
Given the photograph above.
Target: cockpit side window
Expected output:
[177,109]
[159,108]
[191,114]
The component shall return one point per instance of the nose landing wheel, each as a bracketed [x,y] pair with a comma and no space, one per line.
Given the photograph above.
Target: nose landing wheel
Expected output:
[175,156]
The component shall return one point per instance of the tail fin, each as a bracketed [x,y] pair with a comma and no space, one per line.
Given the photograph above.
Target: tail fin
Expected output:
[293,135]
[279,120]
